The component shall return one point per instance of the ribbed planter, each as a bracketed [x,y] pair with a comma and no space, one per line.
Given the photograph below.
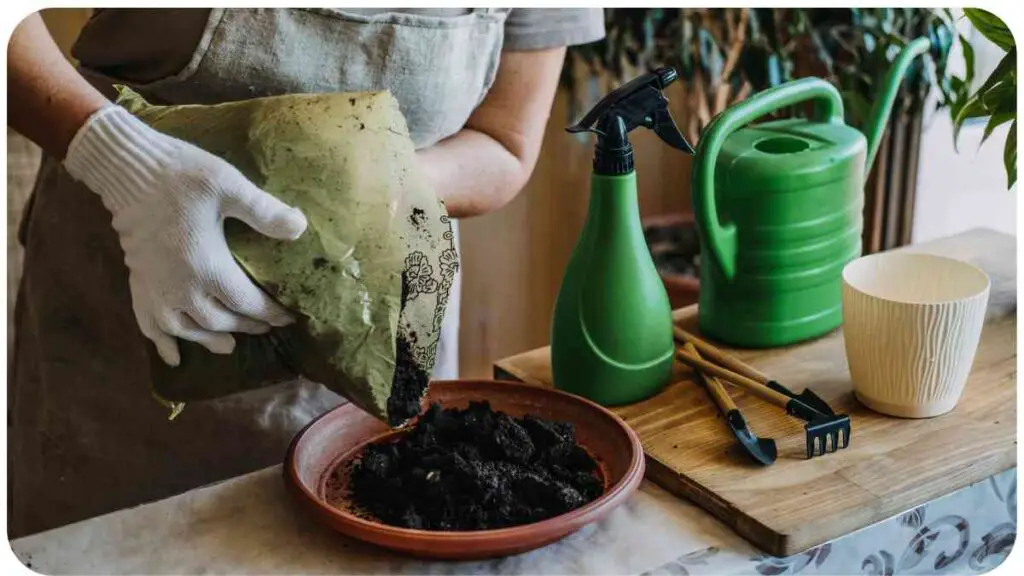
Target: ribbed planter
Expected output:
[675,248]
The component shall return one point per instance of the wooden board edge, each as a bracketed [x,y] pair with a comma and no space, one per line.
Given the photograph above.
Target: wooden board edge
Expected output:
[778,544]
[509,373]
[749,529]
[501,374]
[815,535]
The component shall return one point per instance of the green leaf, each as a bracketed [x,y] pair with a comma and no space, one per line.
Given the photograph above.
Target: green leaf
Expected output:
[991,27]
[968,59]
[995,121]
[1007,68]
[1010,156]
[972,108]
[1002,95]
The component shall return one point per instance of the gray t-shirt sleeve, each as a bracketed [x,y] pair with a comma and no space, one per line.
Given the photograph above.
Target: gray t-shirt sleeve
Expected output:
[540,28]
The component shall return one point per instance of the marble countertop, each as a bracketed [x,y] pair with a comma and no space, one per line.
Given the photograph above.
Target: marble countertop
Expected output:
[251,524]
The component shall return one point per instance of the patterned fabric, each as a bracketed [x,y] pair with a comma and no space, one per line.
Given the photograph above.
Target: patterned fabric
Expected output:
[251,525]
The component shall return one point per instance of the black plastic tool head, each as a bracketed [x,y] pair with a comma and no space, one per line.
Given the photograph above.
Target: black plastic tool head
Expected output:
[761,450]
[807,397]
[814,401]
[827,434]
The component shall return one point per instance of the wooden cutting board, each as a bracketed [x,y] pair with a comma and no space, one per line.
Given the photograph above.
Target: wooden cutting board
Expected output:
[891,466]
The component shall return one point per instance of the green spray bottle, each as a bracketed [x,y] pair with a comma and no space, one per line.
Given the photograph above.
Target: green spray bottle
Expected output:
[612,328]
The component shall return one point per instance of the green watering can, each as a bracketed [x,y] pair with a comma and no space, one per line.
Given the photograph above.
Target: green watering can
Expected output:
[779,210]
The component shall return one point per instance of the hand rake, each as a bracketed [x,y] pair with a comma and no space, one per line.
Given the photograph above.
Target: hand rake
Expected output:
[825,430]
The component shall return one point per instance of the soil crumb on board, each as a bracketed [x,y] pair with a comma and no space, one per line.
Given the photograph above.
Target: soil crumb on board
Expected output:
[474,469]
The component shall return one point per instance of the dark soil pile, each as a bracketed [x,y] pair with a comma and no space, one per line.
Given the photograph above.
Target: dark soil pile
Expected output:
[474,469]
[407,386]
[410,380]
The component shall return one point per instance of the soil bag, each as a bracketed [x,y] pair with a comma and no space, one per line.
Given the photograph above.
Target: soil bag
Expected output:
[369,279]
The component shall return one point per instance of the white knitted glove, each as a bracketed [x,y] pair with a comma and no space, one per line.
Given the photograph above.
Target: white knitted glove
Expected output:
[169,200]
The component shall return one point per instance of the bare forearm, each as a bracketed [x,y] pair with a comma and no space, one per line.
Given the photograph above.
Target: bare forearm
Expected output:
[485,165]
[472,173]
[47,100]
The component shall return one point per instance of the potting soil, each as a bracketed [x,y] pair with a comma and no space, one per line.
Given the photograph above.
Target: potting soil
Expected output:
[474,469]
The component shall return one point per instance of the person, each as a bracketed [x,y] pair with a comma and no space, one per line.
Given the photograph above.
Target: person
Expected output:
[123,237]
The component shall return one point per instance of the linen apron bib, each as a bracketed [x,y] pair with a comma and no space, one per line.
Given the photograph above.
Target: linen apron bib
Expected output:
[85,435]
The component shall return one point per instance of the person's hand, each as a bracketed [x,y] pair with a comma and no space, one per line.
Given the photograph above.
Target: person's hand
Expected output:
[169,200]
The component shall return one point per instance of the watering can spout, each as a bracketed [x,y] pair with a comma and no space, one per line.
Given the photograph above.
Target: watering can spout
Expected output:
[884,99]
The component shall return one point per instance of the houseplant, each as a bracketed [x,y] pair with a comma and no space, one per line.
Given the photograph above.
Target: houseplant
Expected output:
[996,98]
[724,55]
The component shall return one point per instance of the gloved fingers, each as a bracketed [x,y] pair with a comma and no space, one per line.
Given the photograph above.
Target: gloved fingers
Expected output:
[166,346]
[181,326]
[209,313]
[239,294]
[262,211]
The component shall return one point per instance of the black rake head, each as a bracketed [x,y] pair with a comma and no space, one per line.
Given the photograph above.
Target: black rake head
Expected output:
[827,434]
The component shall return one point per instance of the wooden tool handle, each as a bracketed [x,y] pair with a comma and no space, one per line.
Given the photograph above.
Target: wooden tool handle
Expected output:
[748,384]
[720,357]
[715,388]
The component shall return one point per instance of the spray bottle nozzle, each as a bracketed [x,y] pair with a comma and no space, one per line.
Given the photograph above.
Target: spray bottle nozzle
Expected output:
[639,102]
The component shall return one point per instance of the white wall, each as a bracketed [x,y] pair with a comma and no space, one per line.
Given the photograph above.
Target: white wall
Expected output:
[959,191]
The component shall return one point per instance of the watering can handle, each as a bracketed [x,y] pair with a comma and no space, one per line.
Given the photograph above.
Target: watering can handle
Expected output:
[721,239]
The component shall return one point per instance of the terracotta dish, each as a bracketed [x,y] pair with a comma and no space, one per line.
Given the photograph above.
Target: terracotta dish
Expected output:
[340,435]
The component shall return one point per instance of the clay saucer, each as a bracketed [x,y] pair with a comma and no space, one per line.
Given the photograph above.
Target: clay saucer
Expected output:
[340,435]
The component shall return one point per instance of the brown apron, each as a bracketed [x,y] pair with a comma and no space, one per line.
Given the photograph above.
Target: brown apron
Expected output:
[85,435]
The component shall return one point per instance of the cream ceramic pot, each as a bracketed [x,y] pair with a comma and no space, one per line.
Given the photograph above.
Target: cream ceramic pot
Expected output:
[911,324]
